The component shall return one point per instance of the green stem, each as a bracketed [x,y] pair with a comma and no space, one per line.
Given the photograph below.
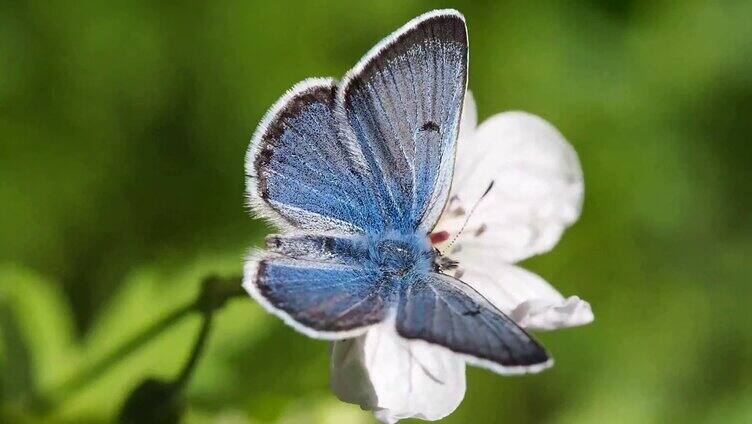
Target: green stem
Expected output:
[214,293]
[198,348]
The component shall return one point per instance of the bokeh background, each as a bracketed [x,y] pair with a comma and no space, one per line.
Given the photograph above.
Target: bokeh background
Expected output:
[123,128]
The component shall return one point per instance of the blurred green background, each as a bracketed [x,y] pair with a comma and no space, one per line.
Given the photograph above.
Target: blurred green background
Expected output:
[123,129]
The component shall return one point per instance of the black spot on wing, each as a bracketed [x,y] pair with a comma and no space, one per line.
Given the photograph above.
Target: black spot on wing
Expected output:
[431,126]
[471,312]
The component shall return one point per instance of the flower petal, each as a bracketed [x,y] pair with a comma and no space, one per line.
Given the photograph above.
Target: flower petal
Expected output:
[469,120]
[540,314]
[395,377]
[523,181]
[525,297]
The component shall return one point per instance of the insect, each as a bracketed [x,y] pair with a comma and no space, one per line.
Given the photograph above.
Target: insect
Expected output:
[355,174]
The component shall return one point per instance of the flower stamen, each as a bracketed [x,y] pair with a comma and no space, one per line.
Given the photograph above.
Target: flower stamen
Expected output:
[462,228]
[438,237]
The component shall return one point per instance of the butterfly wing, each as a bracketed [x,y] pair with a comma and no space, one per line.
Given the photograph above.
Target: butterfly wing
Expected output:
[402,104]
[375,152]
[319,285]
[299,170]
[441,309]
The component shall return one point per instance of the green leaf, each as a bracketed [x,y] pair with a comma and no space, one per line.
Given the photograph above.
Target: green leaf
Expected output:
[15,361]
[37,327]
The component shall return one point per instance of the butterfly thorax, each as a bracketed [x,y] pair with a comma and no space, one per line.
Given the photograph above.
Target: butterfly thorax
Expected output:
[399,254]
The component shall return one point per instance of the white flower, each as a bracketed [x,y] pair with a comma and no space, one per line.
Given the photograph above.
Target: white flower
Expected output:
[536,192]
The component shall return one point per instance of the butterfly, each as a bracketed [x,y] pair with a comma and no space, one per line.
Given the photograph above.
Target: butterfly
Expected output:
[355,174]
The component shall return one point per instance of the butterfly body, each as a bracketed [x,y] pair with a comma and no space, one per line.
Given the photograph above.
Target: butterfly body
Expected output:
[401,254]
[393,256]
[355,174]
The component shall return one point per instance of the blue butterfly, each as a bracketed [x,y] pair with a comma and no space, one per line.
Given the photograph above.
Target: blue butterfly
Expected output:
[355,174]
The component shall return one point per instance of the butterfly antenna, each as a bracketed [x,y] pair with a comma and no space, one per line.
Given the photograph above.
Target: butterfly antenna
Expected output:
[464,224]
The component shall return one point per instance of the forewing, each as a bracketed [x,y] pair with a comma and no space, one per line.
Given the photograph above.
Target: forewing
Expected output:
[402,104]
[299,170]
[443,310]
